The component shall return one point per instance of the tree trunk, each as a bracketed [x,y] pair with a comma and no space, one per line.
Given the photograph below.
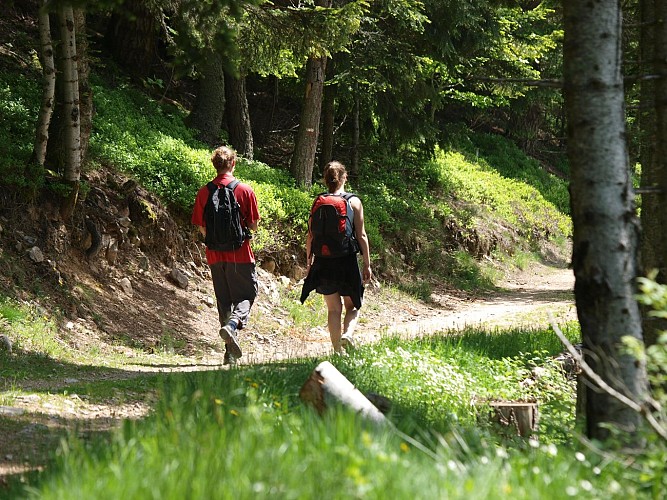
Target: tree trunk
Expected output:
[354,163]
[238,116]
[266,132]
[133,36]
[70,101]
[85,90]
[209,108]
[654,148]
[70,109]
[605,230]
[328,118]
[48,86]
[305,146]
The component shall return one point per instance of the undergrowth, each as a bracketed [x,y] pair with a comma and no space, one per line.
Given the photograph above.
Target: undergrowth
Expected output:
[244,433]
[428,214]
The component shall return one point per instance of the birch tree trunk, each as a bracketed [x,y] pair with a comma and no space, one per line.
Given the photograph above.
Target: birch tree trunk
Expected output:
[70,108]
[654,150]
[605,230]
[48,86]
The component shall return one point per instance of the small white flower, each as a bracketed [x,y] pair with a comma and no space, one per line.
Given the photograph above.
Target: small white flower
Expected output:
[596,471]
[552,450]
[586,485]
[580,456]
[536,470]
[534,443]
[571,491]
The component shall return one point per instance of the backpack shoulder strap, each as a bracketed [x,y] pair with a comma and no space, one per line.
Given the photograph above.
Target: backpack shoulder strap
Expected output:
[349,196]
[211,187]
[232,185]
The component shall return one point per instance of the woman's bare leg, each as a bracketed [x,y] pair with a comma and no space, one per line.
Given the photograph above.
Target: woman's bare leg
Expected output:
[351,317]
[334,311]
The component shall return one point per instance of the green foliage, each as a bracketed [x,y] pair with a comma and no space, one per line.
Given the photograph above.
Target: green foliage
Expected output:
[19,104]
[244,432]
[510,162]
[152,143]
[516,203]
[278,41]
[652,477]
[412,201]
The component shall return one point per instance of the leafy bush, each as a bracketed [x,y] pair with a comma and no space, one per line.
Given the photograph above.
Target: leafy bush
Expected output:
[517,203]
[153,144]
[509,161]
[19,104]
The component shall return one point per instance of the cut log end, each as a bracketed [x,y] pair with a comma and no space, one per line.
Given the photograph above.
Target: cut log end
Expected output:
[521,416]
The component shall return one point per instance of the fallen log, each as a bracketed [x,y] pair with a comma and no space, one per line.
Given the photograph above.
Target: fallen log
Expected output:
[327,387]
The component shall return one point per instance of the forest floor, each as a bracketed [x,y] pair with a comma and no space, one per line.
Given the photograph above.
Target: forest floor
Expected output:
[43,410]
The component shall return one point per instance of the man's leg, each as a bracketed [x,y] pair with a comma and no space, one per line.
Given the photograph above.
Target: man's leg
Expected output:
[242,279]
[222,293]
[334,310]
[219,274]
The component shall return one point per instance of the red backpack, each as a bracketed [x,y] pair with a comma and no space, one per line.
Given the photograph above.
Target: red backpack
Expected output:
[332,225]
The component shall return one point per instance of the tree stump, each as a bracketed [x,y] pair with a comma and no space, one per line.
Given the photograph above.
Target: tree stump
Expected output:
[521,416]
[327,387]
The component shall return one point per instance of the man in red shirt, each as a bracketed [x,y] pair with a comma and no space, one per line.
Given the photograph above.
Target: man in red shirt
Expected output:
[233,272]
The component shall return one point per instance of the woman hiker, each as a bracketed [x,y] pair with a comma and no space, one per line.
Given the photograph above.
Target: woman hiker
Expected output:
[331,255]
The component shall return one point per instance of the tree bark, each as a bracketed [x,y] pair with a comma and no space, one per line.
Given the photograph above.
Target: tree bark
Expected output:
[653,50]
[85,90]
[70,101]
[209,108]
[328,118]
[603,212]
[48,86]
[356,127]
[70,110]
[133,36]
[238,116]
[305,146]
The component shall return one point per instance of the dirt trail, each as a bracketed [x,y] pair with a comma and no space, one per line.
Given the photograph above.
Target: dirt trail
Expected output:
[38,419]
[526,299]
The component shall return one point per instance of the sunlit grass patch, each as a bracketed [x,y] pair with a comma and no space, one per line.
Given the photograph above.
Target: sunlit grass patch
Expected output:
[243,433]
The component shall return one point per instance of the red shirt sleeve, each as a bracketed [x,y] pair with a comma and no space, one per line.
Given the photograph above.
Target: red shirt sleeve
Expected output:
[200,204]
[248,201]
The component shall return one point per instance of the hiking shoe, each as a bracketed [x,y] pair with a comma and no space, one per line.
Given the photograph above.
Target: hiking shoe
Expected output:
[229,336]
[229,359]
[346,342]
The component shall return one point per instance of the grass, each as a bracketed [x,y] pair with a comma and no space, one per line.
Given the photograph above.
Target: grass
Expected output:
[243,433]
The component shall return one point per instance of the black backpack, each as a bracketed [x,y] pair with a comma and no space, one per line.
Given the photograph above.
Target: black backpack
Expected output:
[222,214]
[332,226]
